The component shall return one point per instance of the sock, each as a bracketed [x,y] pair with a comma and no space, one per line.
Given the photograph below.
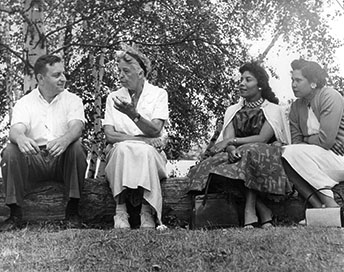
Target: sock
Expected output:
[121,208]
[146,209]
[16,210]
[72,206]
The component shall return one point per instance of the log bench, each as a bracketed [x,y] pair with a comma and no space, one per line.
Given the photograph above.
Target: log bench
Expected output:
[97,205]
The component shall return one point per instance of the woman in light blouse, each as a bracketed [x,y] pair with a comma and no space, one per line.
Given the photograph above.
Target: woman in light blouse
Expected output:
[134,122]
[315,159]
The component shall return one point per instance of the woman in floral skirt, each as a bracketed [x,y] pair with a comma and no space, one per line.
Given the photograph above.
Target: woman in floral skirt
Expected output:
[248,149]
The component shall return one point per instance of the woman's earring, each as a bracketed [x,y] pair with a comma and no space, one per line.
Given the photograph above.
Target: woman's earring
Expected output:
[313,85]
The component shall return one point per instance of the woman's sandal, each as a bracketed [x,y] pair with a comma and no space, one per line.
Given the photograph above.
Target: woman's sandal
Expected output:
[268,224]
[251,225]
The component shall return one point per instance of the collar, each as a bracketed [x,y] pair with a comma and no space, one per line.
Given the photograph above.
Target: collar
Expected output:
[38,94]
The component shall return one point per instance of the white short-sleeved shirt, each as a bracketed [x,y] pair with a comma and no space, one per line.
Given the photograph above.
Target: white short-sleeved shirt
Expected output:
[152,104]
[47,121]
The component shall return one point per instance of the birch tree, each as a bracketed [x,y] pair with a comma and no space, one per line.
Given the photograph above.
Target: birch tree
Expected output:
[34,40]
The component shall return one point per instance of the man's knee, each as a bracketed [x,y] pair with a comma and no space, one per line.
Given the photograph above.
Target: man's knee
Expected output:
[77,148]
[11,151]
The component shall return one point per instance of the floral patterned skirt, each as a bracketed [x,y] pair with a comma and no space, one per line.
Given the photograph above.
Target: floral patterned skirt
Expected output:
[260,168]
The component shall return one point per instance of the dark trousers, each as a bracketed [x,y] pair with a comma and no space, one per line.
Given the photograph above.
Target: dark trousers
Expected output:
[22,173]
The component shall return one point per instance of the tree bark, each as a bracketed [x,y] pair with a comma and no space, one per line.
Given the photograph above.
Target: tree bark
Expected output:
[35,44]
[9,80]
[97,205]
[97,139]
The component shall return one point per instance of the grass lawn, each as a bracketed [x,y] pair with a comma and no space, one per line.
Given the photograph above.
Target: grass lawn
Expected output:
[50,248]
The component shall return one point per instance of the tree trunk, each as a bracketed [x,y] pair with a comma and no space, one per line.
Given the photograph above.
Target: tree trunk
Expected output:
[35,44]
[8,76]
[97,139]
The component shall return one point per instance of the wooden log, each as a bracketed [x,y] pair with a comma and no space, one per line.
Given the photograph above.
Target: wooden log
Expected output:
[177,204]
[97,205]
[48,202]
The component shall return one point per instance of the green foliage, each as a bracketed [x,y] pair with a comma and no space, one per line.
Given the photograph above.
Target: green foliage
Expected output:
[195,47]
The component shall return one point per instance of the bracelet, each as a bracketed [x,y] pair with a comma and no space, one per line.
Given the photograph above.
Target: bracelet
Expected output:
[235,141]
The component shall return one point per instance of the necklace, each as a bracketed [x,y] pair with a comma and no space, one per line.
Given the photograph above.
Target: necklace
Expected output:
[254,104]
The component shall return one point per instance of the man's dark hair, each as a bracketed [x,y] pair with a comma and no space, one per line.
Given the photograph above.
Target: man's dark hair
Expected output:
[41,63]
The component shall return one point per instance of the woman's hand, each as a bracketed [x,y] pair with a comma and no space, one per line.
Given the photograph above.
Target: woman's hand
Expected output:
[125,106]
[277,143]
[233,154]
[157,143]
[219,147]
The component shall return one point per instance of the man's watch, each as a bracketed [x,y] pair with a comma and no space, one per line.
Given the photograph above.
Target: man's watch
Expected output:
[137,118]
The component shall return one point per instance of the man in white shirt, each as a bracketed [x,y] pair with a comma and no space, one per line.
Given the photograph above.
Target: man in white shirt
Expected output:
[45,142]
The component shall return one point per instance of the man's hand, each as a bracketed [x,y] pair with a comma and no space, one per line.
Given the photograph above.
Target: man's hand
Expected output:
[27,145]
[57,146]
[338,148]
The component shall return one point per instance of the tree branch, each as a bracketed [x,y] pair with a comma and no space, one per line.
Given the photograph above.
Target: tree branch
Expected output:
[18,55]
[263,55]
[10,10]
[83,18]
[112,45]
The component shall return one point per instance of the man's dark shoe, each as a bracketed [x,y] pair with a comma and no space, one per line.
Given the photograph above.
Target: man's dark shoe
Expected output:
[73,221]
[11,223]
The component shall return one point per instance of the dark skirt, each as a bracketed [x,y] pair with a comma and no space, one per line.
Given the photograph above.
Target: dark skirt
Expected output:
[260,169]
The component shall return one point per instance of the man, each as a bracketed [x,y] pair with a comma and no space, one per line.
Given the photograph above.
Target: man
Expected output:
[45,142]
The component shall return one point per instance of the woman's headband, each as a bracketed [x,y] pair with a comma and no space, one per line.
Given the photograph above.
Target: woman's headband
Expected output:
[140,62]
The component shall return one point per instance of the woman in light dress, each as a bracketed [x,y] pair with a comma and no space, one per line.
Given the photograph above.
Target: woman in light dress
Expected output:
[134,127]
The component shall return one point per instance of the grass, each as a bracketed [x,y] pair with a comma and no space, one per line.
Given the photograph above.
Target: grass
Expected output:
[50,248]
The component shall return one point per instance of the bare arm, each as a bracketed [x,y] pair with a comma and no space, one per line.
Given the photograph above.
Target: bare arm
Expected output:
[25,144]
[150,128]
[57,146]
[113,136]
[265,134]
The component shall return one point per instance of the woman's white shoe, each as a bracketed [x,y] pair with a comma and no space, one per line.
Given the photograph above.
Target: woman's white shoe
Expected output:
[121,221]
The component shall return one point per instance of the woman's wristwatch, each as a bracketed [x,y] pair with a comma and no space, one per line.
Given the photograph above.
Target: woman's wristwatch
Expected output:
[137,118]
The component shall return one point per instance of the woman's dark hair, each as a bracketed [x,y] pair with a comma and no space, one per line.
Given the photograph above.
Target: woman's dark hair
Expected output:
[310,70]
[40,66]
[263,80]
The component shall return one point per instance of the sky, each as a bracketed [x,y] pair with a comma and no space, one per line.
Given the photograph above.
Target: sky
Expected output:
[281,62]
